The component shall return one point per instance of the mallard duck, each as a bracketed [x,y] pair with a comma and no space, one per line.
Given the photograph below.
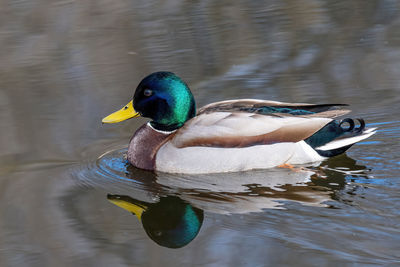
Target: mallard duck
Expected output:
[232,135]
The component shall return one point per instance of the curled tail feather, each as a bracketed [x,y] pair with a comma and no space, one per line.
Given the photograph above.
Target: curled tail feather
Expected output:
[335,138]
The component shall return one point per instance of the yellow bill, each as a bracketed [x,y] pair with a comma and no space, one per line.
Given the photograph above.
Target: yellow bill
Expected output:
[124,113]
[137,209]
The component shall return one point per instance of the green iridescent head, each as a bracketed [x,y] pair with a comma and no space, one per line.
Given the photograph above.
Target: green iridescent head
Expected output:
[166,99]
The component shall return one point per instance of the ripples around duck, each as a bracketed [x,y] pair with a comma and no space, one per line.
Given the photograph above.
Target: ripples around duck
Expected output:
[322,186]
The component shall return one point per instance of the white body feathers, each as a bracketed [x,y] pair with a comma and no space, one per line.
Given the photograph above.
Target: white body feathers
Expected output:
[198,159]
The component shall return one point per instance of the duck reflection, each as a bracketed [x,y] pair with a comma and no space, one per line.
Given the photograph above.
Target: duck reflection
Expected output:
[257,190]
[171,207]
[171,222]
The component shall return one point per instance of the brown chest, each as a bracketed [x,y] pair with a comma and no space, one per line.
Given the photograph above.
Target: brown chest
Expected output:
[144,145]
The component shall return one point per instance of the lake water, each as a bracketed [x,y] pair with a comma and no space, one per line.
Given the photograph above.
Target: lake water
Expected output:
[67,64]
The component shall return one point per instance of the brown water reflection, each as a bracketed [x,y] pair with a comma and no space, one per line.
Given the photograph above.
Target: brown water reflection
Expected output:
[66,64]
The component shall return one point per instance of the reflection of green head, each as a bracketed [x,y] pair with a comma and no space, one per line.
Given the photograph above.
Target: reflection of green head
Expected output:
[171,222]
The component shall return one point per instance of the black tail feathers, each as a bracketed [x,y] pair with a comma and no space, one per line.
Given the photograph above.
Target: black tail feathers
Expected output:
[336,130]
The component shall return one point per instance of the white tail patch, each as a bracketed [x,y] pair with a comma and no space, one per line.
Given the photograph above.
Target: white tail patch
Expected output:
[347,141]
[369,130]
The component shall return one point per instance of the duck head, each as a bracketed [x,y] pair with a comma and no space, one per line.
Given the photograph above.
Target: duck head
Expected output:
[171,222]
[164,98]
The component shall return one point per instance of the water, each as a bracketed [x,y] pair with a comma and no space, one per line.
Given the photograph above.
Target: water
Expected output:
[66,64]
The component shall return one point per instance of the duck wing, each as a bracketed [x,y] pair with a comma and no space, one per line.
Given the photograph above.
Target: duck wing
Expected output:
[267,107]
[243,129]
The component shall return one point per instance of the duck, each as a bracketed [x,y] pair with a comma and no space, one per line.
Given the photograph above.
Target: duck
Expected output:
[231,135]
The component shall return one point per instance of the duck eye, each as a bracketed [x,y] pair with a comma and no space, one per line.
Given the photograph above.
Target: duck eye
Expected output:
[147,92]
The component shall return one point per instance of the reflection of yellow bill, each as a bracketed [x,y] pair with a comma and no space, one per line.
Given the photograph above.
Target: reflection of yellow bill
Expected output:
[134,208]
[124,113]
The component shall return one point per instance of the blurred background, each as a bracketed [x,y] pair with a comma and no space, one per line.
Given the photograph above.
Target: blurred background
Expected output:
[64,65]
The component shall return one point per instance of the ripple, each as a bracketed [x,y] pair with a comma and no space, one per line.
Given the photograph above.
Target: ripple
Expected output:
[113,173]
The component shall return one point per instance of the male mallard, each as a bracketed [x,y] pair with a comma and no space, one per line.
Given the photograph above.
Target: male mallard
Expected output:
[232,135]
